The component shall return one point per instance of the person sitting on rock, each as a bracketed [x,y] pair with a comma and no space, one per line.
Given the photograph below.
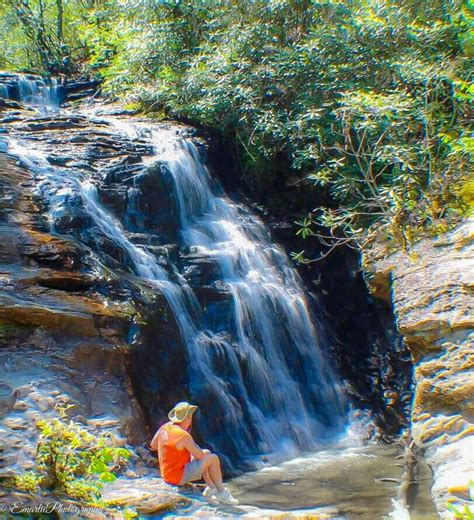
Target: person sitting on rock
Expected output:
[182,460]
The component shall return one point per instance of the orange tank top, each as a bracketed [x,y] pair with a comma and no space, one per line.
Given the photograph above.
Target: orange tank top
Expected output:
[172,461]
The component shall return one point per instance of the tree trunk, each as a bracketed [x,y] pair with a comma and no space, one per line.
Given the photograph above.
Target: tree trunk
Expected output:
[60,19]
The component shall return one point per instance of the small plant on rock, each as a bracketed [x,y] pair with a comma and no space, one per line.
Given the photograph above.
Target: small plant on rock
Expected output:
[465,514]
[30,481]
[70,460]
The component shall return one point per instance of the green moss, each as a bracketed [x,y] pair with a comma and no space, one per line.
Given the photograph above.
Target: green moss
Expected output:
[465,192]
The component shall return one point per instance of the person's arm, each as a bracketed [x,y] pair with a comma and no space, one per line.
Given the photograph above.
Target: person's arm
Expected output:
[192,447]
[154,442]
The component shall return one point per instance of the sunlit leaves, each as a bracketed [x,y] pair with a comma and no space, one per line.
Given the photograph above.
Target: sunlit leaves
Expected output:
[71,460]
[366,103]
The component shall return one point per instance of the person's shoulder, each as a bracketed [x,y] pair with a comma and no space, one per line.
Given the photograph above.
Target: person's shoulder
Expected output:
[166,427]
[178,431]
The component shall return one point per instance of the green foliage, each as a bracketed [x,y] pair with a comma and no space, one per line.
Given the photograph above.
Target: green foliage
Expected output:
[465,514]
[72,461]
[30,481]
[363,104]
[367,103]
[44,35]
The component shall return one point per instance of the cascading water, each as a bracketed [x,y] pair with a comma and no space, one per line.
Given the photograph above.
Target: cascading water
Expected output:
[45,94]
[4,91]
[39,93]
[260,371]
[267,381]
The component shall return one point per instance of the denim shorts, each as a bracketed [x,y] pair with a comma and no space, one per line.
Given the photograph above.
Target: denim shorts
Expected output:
[192,471]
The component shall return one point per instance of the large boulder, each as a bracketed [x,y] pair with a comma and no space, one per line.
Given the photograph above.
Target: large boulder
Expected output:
[431,290]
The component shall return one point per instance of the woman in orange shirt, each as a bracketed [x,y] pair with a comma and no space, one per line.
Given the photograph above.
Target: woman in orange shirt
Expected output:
[182,460]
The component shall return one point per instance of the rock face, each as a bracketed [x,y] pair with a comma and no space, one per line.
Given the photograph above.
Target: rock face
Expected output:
[67,323]
[432,291]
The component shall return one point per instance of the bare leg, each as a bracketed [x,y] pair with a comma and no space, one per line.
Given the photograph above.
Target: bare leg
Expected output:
[207,479]
[212,471]
[215,473]
[205,472]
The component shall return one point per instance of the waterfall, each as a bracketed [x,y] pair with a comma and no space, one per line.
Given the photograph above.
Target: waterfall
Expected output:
[4,91]
[261,372]
[270,384]
[40,93]
[45,94]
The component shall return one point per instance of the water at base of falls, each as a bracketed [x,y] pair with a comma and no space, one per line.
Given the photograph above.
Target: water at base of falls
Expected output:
[341,483]
[261,373]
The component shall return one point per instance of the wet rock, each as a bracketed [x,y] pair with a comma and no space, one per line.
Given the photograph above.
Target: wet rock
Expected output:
[154,210]
[56,160]
[162,505]
[152,240]
[71,218]
[20,406]
[9,104]
[48,250]
[23,311]
[149,496]
[11,118]
[199,270]
[15,424]
[115,110]
[7,398]
[53,124]
[115,198]
[79,88]
[64,281]
[82,165]
[124,171]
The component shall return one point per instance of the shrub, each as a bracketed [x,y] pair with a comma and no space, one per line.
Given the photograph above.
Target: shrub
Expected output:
[364,104]
[71,460]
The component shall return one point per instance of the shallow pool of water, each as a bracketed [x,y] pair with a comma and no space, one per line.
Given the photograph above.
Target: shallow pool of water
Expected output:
[351,483]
